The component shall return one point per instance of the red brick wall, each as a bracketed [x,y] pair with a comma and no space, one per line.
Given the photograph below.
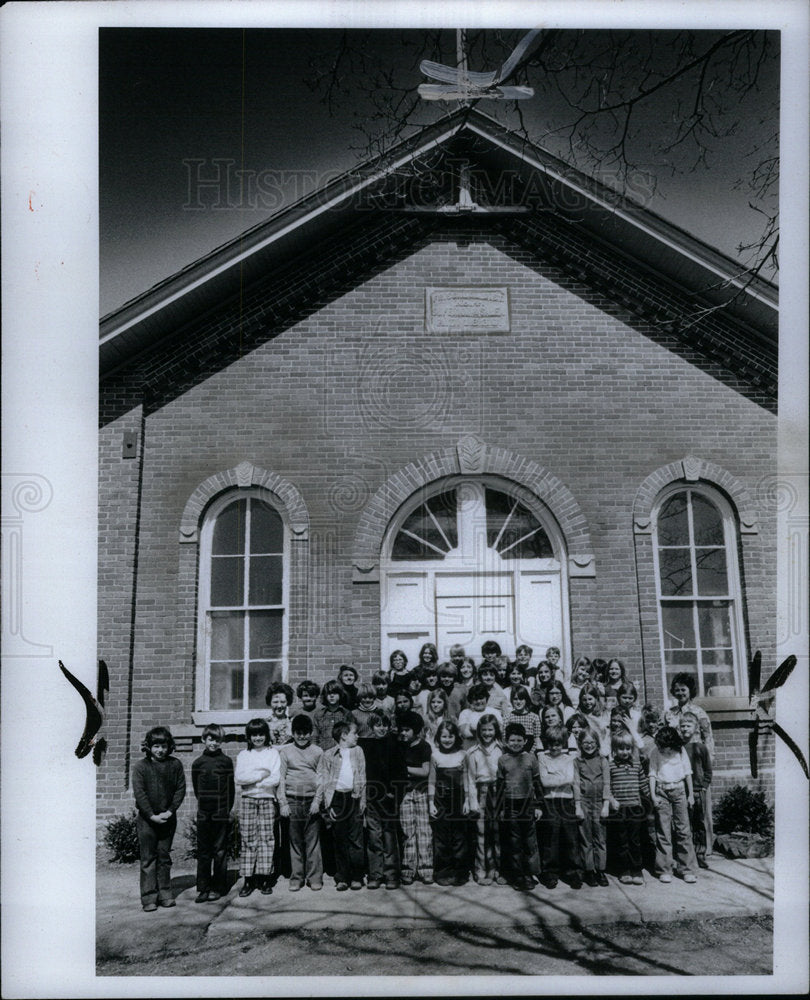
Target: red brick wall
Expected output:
[352,391]
[117,532]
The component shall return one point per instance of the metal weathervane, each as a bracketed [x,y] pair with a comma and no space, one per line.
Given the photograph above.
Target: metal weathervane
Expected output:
[458,83]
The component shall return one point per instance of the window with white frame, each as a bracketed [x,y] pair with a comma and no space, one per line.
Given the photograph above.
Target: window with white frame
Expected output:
[698,588]
[243,601]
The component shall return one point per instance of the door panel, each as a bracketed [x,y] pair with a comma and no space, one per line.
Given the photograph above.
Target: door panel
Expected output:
[408,617]
[539,611]
[468,608]
[474,585]
[470,621]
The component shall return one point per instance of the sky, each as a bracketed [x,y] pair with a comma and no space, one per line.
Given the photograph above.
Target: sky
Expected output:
[177,106]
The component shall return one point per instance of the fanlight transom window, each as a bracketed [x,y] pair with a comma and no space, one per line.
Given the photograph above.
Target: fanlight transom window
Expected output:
[436,528]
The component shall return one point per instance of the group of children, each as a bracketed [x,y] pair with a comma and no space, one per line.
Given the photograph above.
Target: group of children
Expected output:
[501,770]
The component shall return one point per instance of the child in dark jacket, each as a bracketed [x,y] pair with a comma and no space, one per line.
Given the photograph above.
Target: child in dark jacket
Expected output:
[701,762]
[212,780]
[159,786]
[386,779]
[649,723]
[347,678]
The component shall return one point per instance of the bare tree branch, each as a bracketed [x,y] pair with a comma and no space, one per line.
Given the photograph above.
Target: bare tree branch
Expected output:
[692,85]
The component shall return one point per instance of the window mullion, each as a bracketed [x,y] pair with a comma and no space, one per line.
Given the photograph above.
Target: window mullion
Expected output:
[692,555]
[693,565]
[503,526]
[698,646]
[438,527]
[245,601]
[735,604]
[423,541]
[523,539]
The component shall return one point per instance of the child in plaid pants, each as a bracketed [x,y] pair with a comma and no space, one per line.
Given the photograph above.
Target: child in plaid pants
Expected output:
[257,773]
[417,859]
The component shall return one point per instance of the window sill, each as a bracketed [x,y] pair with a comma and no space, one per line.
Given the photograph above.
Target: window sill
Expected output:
[730,709]
[225,718]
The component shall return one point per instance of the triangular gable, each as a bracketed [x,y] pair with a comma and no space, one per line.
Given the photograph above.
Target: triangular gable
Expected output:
[609,219]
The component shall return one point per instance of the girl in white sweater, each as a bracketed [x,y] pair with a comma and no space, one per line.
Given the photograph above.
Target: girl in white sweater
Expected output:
[257,775]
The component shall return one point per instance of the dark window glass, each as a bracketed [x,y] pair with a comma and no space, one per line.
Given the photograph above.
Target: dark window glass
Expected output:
[679,626]
[707,522]
[266,529]
[260,677]
[698,635]
[712,576]
[265,635]
[676,572]
[245,645]
[229,530]
[227,635]
[430,531]
[227,581]
[673,521]
[265,580]
[513,530]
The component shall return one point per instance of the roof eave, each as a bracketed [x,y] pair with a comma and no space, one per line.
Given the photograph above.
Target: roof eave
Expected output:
[755,299]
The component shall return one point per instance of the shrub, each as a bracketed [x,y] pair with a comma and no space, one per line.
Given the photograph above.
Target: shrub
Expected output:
[740,809]
[121,837]
[234,839]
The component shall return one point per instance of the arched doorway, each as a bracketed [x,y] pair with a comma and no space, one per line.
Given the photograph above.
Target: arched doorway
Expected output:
[468,559]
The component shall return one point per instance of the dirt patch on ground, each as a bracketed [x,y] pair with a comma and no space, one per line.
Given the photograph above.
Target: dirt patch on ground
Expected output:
[722,947]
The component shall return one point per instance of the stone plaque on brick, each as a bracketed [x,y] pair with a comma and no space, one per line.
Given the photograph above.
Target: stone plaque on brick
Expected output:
[467,310]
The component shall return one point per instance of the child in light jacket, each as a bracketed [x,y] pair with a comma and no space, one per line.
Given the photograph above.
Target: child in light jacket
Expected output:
[257,774]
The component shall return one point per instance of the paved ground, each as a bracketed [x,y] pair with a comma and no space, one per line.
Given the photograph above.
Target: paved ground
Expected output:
[732,890]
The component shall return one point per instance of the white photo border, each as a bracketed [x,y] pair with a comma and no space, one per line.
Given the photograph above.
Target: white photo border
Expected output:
[49,67]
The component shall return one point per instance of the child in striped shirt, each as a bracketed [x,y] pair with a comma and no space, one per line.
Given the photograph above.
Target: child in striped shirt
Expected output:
[521,699]
[629,790]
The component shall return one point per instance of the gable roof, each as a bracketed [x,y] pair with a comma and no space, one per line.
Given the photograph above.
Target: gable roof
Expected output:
[608,217]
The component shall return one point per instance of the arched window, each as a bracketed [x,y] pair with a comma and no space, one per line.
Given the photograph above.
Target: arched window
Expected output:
[469,559]
[242,635]
[698,588]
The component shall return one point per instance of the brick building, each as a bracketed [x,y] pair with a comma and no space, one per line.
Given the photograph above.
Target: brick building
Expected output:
[462,392]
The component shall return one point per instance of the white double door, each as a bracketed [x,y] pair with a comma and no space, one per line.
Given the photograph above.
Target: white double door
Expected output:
[515,606]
